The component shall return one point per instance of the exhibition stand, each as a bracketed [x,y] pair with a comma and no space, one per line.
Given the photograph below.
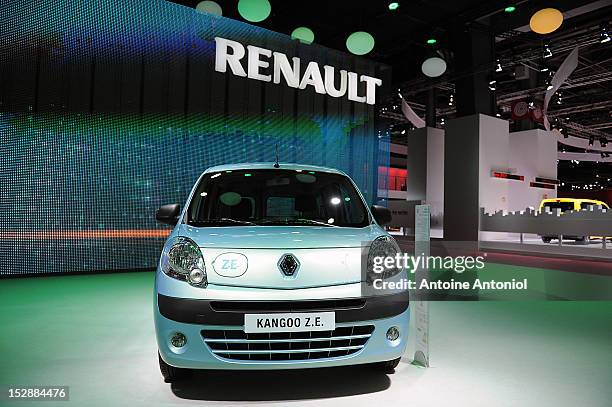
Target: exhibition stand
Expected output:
[199,199]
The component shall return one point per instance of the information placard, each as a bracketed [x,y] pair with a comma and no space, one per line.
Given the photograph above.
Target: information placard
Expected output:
[420,309]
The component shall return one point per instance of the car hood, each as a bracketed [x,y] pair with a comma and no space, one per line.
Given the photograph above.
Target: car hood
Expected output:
[280,237]
[252,256]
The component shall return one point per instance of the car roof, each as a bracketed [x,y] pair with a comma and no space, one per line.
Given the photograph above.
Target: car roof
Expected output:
[571,200]
[270,165]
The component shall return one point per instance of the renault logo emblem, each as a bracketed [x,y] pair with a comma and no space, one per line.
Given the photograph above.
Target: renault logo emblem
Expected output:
[288,265]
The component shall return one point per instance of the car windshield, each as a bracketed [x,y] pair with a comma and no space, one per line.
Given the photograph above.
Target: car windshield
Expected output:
[564,206]
[272,197]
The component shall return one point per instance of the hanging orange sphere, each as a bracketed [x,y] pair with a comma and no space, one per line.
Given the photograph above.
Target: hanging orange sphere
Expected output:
[546,21]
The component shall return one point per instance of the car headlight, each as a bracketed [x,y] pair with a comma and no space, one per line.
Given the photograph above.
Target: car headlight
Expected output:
[183,260]
[383,246]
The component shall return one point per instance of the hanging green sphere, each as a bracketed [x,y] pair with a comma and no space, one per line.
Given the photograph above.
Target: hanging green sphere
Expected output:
[303,34]
[210,7]
[360,43]
[254,10]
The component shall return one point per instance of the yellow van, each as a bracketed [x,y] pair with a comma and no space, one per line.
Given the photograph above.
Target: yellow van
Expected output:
[571,204]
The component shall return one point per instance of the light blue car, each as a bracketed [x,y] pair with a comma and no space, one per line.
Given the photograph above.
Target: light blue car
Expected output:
[266,269]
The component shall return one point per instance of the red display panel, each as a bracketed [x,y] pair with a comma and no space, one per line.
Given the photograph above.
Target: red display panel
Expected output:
[395,178]
[547,180]
[507,175]
[541,185]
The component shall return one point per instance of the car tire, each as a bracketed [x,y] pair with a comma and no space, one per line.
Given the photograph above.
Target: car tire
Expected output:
[172,374]
[388,366]
[546,239]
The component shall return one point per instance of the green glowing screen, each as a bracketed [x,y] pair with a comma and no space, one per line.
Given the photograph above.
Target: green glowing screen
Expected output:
[108,112]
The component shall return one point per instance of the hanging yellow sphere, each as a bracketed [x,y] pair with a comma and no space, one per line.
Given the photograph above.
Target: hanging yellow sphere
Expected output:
[546,21]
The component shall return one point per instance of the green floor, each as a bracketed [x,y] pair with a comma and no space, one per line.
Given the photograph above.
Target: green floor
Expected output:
[95,334]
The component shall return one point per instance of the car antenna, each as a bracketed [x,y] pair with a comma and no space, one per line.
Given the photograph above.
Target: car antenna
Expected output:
[276,163]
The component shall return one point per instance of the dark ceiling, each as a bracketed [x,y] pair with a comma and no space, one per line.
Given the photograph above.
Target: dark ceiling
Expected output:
[401,37]
[584,110]
[400,34]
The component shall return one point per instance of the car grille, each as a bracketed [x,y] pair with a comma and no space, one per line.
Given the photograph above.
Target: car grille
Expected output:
[287,306]
[235,344]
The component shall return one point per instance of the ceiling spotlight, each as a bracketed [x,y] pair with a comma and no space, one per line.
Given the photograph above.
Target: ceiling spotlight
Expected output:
[591,140]
[393,5]
[431,41]
[510,9]
[604,35]
[403,131]
[547,52]
[559,98]
[499,67]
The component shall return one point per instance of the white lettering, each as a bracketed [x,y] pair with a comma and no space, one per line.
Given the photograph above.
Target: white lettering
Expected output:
[329,82]
[352,88]
[222,58]
[312,76]
[290,73]
[255,63]
[371,84]
[230,53]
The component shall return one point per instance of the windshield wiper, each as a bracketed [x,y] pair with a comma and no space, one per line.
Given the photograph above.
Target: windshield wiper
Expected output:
[221,221]
[298,221]
[313,222]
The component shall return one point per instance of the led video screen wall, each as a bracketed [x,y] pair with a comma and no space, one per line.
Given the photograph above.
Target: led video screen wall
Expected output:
[110,109]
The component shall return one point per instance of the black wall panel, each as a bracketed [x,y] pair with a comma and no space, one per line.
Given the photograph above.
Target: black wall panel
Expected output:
[108,110]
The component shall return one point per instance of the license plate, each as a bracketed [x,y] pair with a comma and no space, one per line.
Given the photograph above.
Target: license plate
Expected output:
[290,322]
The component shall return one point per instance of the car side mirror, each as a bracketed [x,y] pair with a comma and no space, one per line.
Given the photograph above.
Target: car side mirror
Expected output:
[168,214]
[381,214]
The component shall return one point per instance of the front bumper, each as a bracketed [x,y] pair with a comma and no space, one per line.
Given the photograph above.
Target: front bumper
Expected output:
[197,354]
